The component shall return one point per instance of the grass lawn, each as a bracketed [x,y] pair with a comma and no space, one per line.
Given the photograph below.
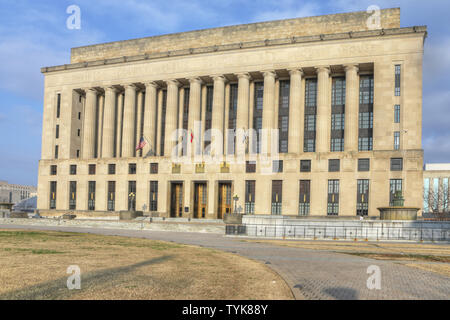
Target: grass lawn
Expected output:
[430,257]
[33,265]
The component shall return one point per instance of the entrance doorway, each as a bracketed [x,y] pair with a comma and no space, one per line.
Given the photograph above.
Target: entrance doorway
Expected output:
[224,199]
[200,199]
[176,200]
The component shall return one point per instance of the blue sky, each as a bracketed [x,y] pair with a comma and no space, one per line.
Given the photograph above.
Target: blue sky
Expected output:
[33,34]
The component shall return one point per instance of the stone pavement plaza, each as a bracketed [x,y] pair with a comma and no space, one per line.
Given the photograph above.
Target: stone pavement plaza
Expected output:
[311,274]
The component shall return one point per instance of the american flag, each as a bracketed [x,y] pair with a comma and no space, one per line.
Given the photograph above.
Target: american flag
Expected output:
[192,136]
[141,144]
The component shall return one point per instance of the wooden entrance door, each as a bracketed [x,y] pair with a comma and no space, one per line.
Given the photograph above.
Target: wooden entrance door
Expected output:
[200,200]
[176,203]
[224,199]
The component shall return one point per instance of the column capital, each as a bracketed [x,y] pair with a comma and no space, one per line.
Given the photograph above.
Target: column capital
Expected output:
[320,69]
[295,71]
[351,67]
[173,82]
[130,86]
[195,80]
[218,77]
[269,73]
[111,88]
[91,90]
[151,84]
[243,75]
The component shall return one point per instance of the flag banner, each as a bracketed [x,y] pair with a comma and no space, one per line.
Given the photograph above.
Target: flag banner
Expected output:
[141,144]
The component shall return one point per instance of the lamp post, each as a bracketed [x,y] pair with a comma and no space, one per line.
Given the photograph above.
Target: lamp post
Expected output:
[236,199]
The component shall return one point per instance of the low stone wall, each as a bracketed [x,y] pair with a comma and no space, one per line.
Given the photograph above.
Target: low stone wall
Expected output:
[142,224]
[286,227]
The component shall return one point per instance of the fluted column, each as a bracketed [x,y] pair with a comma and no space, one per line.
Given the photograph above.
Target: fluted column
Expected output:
[171,116]
[218,111]
[89,124]
[295,111]
[268,110]
[195,94]
[138,131]
[351,108]
[242,114]
[129,119]
[109,117]
[150,116]
[323,109]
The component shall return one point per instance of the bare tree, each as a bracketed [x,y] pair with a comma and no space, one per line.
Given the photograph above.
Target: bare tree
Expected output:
[437,201]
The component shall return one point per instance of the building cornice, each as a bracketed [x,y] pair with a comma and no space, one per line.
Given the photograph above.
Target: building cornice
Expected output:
[241,45]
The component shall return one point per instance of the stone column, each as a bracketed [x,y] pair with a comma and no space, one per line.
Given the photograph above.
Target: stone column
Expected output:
[150,112]
[89,124]
[109,118]
[242,114]
[296,111]
[101,108]
[159,123]
[218,112]
[195,94]
[351,108]
[120,99]
[171,116]
[140,98]
[129,118]
[323,109]
[268,110]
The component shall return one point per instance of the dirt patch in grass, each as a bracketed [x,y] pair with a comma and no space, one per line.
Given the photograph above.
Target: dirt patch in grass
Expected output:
[403,257]
[34,266]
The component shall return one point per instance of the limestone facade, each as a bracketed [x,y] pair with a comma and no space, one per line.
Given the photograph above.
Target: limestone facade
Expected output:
[323,93]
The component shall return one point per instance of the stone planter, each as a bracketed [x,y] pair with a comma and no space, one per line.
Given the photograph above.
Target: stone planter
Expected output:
[398,213]
[231,218]
[130,215]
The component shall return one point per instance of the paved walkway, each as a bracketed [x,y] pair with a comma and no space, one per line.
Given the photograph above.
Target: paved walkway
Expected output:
[311,274]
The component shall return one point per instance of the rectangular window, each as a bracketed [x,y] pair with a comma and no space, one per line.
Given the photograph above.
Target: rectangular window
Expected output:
[232,115]
[163,120]
[277,192]
[257,115]
[435,197]
[363,164]
[309,142]
[53,169]
[397,140]
[398,74]
[334,165]
[52,195]
[111,168]
[153,196]
[78,153]
[396,185]
[304,197]
[305,165]
[362,197]
[208,114]
[78,132]
[283,116]
[92,169]
[58,105]
[426,195]
[277,166]
[131,195]
[73,169]
[57,132]
[185,122]
[111,195]
[337,114]
[250,167]
[445,193]
[132,168]
[72,195]
[333,198]
[79,115]
[91,195]
[250,197]
[56,152]
[154,168]
[396,164]
[397,113]
[365,121]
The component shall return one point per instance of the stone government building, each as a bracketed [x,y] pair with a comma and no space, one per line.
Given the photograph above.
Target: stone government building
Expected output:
[346,100]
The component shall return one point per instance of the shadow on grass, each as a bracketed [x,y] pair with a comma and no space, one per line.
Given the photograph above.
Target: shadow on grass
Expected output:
[57,289]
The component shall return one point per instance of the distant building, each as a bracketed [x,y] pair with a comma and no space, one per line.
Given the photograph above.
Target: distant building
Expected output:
[13,193]
[435,186]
